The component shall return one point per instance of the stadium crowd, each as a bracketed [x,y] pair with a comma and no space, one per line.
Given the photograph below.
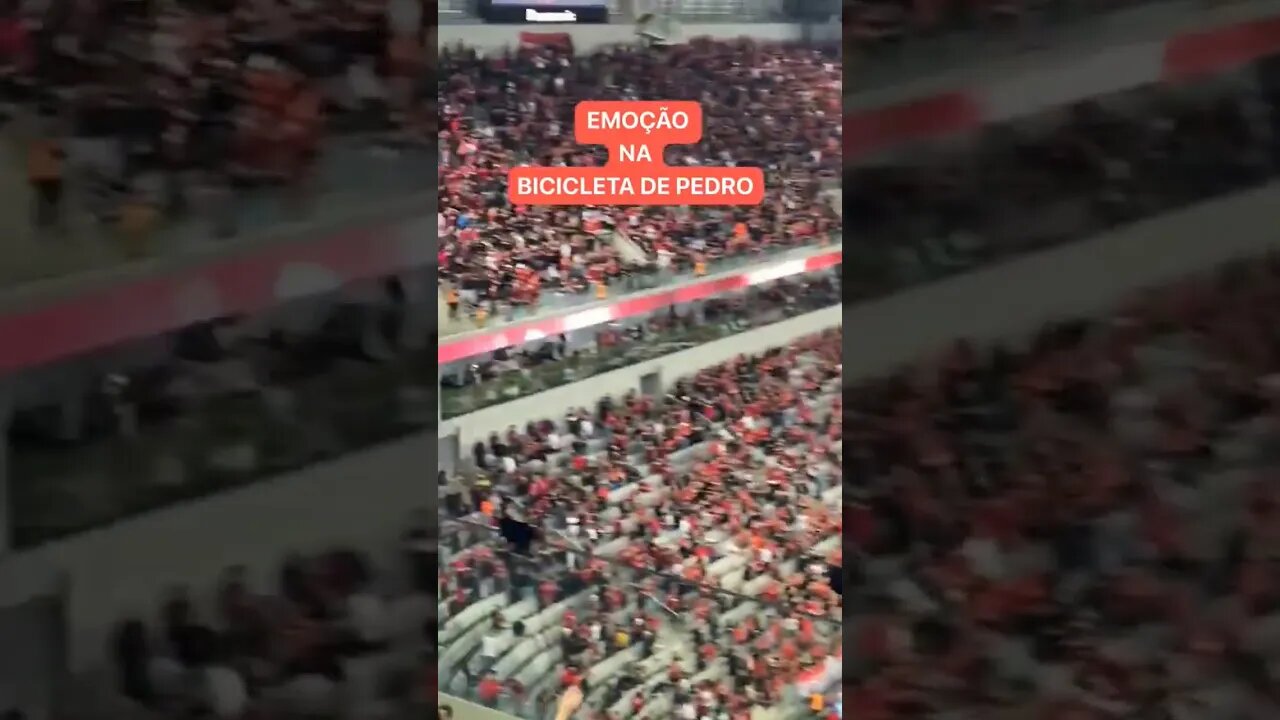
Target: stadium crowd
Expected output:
[1059,175]
[339,636]
[500,111]
[672,528]
[143,111]
[1079,527]
[219,404]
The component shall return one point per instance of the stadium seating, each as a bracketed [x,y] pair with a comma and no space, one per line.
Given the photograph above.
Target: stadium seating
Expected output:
[675,578]
[1060,525]
[494,256]
[167,125]
[938,208]
[339,638]
[1054,527]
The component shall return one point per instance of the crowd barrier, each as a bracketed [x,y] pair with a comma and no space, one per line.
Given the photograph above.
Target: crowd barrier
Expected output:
[1080,279]
[551,403]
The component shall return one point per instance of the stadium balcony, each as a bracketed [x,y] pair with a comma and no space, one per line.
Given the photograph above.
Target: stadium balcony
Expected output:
[482,369]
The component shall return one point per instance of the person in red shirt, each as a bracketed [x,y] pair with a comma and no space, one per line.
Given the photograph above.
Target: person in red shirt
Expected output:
[548,592]
[708,651]
[489,690]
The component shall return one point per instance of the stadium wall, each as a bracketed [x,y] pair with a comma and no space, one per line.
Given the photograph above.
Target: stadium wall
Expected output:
[1079,279]
[465,710]
[547,404]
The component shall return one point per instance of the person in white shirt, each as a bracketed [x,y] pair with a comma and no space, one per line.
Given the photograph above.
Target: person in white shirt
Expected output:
[224,692]
[664,259]
[491,644]
[367,618]
[986,557]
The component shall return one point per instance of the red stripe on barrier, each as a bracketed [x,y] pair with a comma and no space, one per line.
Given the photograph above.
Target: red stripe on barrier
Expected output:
[1186,56]
[872,130]
[1197,54]
[103,317]
[518,334]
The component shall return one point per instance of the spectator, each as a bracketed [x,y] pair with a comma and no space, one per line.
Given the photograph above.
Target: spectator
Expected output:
[131,655]
[45,171]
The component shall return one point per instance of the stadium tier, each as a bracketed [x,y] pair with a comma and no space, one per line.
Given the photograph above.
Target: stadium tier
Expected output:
[501,111]
[1054,361]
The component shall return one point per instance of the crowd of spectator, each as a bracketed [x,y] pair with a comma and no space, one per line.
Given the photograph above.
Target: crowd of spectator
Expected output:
[218,404]
[672,533]
[770,105]
[1060,175]
[141,111]
[338,636]
[1082,526]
